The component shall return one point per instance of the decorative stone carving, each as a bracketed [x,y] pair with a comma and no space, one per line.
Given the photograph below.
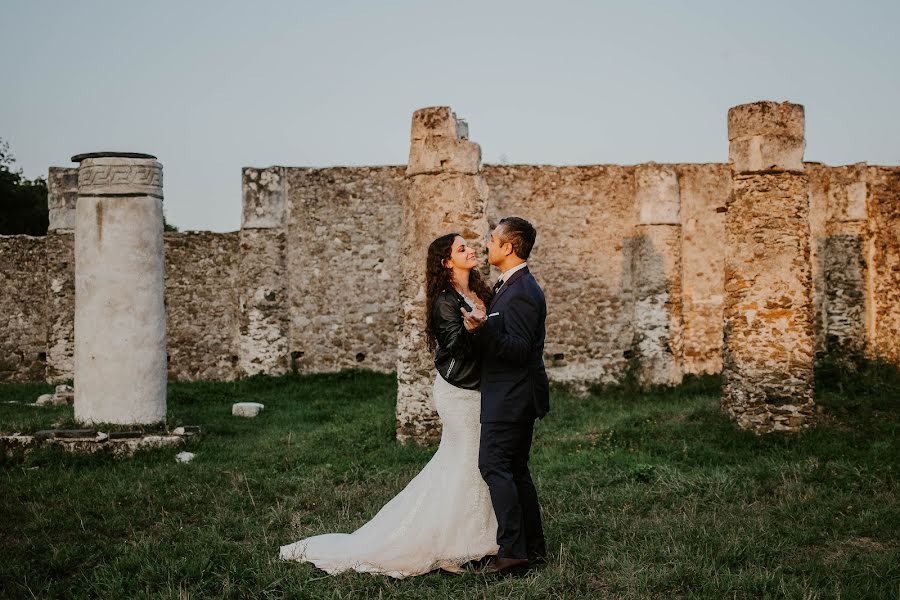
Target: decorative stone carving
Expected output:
[117,176]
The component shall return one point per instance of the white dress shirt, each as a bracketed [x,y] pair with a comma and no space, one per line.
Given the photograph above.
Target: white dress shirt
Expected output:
[507,274]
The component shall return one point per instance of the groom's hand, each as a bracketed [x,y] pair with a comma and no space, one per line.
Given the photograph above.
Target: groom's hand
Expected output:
[473,320]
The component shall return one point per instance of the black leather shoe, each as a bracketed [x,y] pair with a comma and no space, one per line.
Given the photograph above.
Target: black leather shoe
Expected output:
[505,566]
[536,560]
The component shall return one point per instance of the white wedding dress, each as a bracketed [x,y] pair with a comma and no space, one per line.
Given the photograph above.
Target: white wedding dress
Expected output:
[442,519]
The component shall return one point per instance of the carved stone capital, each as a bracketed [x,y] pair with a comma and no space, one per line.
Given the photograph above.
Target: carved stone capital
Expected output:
[119,176]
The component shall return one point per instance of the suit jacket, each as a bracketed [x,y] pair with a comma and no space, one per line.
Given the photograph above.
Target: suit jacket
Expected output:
[514,385]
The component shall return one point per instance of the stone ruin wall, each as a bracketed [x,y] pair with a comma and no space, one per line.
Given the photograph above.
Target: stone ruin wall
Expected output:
[201,305]
[23,288]
[311,280]
[343,247]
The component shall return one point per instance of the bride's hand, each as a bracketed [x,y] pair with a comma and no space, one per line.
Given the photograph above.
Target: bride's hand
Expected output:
[473,320]
[478,314]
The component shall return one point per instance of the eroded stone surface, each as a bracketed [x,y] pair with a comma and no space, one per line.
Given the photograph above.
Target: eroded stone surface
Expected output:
[769,339]
[123,447]
[439,202]
[62,194]
[23,316]
[764,136]
[343,266]
[314,278]
[202,319]
[246,409]
[883,256]
[704,195]
[839,232]
[656,277]
[120,321]
[263,198]
[60,249]
[263,345]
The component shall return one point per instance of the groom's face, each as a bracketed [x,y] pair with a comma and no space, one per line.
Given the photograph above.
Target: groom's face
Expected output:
[497,250]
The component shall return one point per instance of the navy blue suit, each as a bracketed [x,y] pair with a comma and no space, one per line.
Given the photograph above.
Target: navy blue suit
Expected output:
[514,392]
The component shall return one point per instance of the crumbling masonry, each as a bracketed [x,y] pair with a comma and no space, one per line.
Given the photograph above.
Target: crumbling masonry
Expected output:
[754,267]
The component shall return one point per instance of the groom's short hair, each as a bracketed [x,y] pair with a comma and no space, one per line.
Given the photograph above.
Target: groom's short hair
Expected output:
[520,233]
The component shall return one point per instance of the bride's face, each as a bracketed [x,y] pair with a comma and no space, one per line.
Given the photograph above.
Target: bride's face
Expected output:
[462,256]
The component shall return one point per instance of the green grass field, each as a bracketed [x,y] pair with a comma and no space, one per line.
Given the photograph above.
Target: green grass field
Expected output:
[644,495]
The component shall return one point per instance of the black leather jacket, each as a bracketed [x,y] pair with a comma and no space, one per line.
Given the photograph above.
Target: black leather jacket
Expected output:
[456,358]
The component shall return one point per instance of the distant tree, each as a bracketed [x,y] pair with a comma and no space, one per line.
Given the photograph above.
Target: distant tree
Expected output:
[23,202]
[166,225]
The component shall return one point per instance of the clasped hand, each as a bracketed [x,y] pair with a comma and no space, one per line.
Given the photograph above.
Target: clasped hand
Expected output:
[474,319]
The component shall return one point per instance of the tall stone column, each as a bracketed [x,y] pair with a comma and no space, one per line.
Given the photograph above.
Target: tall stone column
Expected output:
[262,274]
[62,193]
[656,268]
[769,338]
[447,194]
[120,317]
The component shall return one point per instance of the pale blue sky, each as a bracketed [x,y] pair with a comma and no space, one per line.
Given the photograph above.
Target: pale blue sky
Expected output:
[210,87]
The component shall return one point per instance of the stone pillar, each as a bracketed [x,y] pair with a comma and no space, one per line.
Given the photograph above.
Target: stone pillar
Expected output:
[120,317]
[769,339]
[62,192]
[883,263]
[447,194]
[656,268]
[263,345]
[841,257]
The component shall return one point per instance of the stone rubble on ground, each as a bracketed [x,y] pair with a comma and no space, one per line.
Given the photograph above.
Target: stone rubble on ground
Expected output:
[120,443]
[184,457]
[246,409]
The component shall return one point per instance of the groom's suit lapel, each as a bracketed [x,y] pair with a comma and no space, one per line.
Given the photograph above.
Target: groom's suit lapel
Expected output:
[512,279]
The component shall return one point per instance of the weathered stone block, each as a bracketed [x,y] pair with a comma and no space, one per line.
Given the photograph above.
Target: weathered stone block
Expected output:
[263,345]
[766,153]
[658,195]
[62,193]
[263,198]
[765,136]
[765,118]
[437,121]
[246,409]
[435,155]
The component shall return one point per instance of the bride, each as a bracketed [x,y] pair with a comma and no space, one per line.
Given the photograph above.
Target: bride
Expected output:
[443,518]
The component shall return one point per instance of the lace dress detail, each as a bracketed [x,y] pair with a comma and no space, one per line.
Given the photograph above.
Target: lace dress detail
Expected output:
[442,519]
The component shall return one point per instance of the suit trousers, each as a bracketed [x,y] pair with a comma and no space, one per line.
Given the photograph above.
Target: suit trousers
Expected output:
[503,462]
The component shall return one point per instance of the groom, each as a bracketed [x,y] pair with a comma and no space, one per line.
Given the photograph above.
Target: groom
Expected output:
[514,392]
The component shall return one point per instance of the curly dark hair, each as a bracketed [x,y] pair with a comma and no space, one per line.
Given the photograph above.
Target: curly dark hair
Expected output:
[439,278]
